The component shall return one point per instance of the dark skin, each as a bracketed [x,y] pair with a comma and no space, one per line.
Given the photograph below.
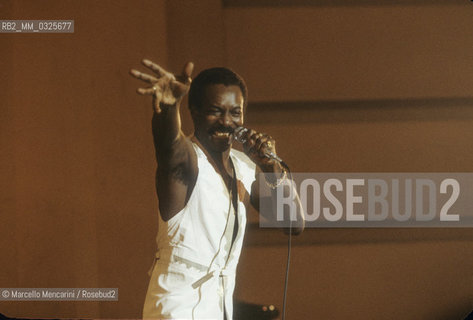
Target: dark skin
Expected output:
[220,113]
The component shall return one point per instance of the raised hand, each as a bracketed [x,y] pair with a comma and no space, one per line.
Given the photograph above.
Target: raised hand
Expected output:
[166,88]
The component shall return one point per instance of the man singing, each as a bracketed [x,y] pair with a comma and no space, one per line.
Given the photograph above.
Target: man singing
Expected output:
[204,188]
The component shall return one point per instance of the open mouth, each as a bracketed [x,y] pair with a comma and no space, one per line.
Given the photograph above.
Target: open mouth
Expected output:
[223,133]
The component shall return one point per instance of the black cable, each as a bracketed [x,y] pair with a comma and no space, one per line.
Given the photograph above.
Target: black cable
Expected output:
[289,245]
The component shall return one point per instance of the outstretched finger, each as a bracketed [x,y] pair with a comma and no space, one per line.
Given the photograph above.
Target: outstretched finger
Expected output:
[146,91]
[143,76]
[156,68]
[187,71]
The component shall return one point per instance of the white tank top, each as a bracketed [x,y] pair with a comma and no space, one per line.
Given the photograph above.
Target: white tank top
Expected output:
[198,239]
[202,231]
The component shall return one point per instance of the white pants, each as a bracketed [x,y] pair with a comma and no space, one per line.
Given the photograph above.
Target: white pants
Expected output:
[180,291]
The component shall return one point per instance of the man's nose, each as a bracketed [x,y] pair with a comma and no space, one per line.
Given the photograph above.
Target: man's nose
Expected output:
[226,119]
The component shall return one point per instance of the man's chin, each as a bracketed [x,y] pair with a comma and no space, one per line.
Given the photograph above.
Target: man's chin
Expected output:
[220,144]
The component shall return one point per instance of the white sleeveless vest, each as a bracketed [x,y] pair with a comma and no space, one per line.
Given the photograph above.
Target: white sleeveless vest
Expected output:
[193,276]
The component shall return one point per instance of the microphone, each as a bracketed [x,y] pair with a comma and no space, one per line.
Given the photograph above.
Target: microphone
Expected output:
[239,135]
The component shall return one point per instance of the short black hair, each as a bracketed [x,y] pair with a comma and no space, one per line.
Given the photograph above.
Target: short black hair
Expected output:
[219,75]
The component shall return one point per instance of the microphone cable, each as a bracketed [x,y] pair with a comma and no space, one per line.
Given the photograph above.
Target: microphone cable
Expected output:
[289,246]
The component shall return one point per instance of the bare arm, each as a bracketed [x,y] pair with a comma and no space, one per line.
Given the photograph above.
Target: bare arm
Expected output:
[264,191]
[177,166]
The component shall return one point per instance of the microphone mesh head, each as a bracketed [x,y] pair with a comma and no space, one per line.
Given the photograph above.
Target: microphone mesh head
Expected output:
[239,134]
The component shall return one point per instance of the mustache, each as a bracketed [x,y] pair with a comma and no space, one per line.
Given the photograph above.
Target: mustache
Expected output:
[223,129]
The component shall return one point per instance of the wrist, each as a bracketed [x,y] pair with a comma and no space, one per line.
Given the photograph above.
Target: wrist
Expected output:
[274,174]
[166,107]
[274,180]
[272,167]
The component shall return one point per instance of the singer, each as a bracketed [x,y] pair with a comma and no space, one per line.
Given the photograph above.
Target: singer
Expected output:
[204,189]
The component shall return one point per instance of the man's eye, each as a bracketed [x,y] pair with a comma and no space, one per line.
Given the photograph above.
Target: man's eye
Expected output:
[213,112]
[236,113]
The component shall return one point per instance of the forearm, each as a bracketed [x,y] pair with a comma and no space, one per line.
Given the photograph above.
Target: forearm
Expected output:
[278,202]
[286,204]
[273,194]
[166,127]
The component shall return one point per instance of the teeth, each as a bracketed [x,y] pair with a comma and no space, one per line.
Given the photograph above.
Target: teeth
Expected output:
[222,134]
